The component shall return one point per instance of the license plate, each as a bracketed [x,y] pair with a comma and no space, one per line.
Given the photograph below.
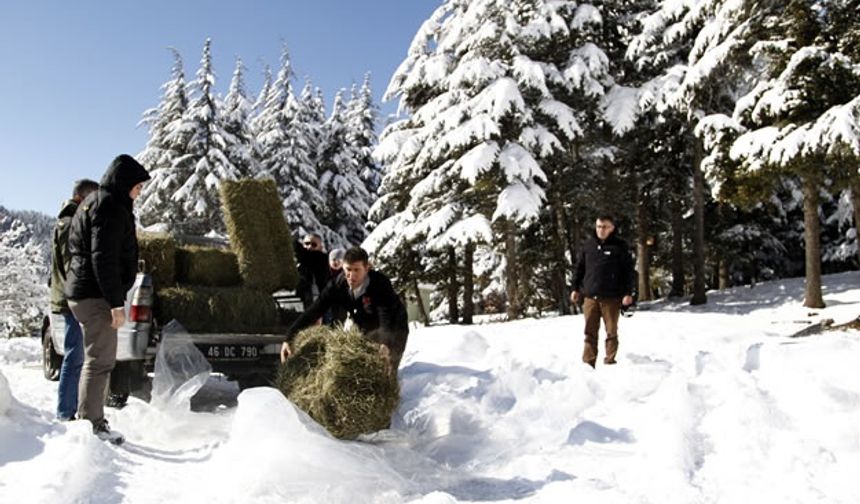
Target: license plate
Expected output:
[232,352]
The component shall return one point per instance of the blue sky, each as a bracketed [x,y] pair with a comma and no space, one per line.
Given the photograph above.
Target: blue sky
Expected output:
[77,76]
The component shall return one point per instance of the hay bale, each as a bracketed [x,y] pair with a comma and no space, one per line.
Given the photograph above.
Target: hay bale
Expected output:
[207,266]
[282,240]
[259,234]
[342,380]
[158,250]
[218,309]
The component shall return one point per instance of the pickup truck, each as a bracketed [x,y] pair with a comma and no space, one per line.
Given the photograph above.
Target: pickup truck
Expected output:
[249,359]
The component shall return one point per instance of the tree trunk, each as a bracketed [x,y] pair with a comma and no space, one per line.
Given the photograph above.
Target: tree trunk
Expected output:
[812,242]
[512,271]
[855,202]
[422,310]
[699,294]
[677,249]
[468,283]
[573,243]
[724,274]
[643,262]
[453,287]
[560,273]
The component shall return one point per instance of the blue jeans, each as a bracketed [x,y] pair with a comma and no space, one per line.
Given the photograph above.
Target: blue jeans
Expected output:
[70,372]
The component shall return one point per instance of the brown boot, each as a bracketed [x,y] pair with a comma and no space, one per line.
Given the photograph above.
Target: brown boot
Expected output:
[589,352]
[611,350]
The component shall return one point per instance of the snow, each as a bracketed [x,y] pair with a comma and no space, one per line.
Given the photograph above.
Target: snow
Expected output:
[5,395]
[621,108]
[477,161]
[499,99]
[714,403]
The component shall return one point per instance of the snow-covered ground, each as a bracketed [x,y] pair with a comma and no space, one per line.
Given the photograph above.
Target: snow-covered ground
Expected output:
[707,404]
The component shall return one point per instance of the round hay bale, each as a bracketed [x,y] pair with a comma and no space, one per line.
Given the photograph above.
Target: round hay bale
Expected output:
[342,380]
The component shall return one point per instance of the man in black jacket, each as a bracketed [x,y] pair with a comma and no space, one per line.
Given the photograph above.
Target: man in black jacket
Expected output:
[364,297]
[103,249]
[312,267]
[604,277]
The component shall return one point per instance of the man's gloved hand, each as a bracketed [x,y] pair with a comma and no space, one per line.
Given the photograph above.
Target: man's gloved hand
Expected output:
[576,297]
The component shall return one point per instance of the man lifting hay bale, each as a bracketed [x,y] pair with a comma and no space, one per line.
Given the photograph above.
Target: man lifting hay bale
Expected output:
[363,298]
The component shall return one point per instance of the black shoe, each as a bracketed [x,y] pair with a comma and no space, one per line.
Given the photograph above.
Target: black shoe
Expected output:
[102,430]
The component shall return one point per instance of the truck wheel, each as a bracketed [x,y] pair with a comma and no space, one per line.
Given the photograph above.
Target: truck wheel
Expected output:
[51,360]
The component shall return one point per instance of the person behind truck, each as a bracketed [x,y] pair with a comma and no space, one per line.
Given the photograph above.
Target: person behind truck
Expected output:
[335,268]
[313,268]
[367,299]
[73,345]
[103,249]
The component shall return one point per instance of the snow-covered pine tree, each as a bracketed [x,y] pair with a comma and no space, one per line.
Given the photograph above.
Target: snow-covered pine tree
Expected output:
[257,115]
[801,116]
[287,152]
[297,174]
[242,149]
[25,260]
[203,163]
[155,204]
[486,83]
[361,116]
[345,195]
[649,152]
[313,104]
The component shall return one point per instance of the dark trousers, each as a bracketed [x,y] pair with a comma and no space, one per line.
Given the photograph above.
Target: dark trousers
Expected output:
[608,309]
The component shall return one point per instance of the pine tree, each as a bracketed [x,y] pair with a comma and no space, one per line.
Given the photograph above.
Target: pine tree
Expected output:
[346,198]
[792,122]
[257,115]
[242,149]
[287,152]
[488,84]
[313,103]
[203,163]
[155,204]
[361,115]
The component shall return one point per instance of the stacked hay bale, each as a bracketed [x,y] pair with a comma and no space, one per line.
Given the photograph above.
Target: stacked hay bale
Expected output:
[209,266]
[342,380]
[209,289]
[218,309]
[158,252]
[259,234]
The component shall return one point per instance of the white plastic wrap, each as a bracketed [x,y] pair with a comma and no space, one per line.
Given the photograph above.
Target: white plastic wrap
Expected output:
[181,369]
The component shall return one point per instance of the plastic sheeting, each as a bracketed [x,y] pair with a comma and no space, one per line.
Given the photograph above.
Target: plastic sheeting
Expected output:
[181,369]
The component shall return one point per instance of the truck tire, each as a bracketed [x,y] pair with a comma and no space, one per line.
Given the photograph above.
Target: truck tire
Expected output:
[51,360]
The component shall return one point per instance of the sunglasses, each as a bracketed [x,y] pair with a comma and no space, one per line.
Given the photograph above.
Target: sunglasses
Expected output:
[310,244]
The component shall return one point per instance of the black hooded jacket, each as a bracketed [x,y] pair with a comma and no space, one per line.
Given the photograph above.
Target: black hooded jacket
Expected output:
[102,240]
[604,268]
[313,269]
